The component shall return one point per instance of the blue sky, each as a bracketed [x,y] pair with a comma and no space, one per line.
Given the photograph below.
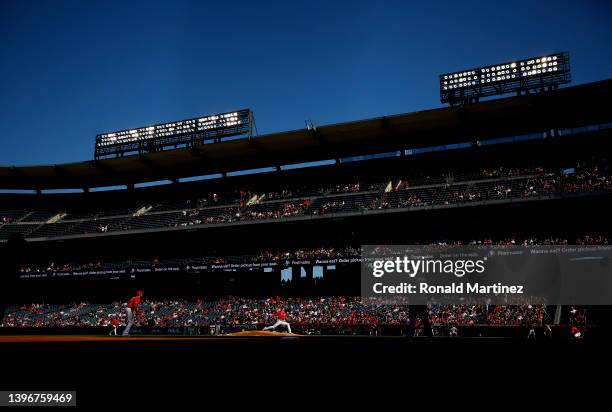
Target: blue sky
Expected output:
[72,69]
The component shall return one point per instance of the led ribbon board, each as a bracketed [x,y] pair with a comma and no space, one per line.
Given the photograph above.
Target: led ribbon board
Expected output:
[183,132]
[535,73]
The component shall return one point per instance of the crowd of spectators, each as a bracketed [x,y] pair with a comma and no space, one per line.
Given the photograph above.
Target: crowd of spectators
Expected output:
[588,179]
[330,207]
[281,194]
[517,315]
[467,315]
[483,185]
[346,188]
[534,182]
[233,311]
[412,200]
[329,252]
[492,173]
[286,210]
[232,214]
[314,253]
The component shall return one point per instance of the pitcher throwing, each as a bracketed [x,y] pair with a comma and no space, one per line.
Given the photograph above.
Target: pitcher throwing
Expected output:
[281,321]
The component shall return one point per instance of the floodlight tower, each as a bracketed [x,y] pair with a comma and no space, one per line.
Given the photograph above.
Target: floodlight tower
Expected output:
[536,74]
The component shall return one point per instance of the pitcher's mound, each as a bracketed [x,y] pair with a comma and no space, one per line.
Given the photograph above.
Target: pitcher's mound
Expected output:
[262,333]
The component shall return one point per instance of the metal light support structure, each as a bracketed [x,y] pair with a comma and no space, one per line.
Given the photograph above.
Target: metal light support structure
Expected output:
[536,74]
[182,133]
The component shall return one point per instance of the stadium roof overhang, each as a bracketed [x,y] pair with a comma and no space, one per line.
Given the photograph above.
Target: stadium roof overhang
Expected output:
[564,108]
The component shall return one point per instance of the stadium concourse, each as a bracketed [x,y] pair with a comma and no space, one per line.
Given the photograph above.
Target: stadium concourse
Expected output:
[233,232]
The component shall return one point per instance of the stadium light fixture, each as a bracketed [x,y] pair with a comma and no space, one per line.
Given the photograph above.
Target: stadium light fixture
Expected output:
[182,132]
[520,76]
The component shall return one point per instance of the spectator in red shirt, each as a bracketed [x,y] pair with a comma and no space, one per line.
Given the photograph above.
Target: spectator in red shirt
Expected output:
[131,310]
